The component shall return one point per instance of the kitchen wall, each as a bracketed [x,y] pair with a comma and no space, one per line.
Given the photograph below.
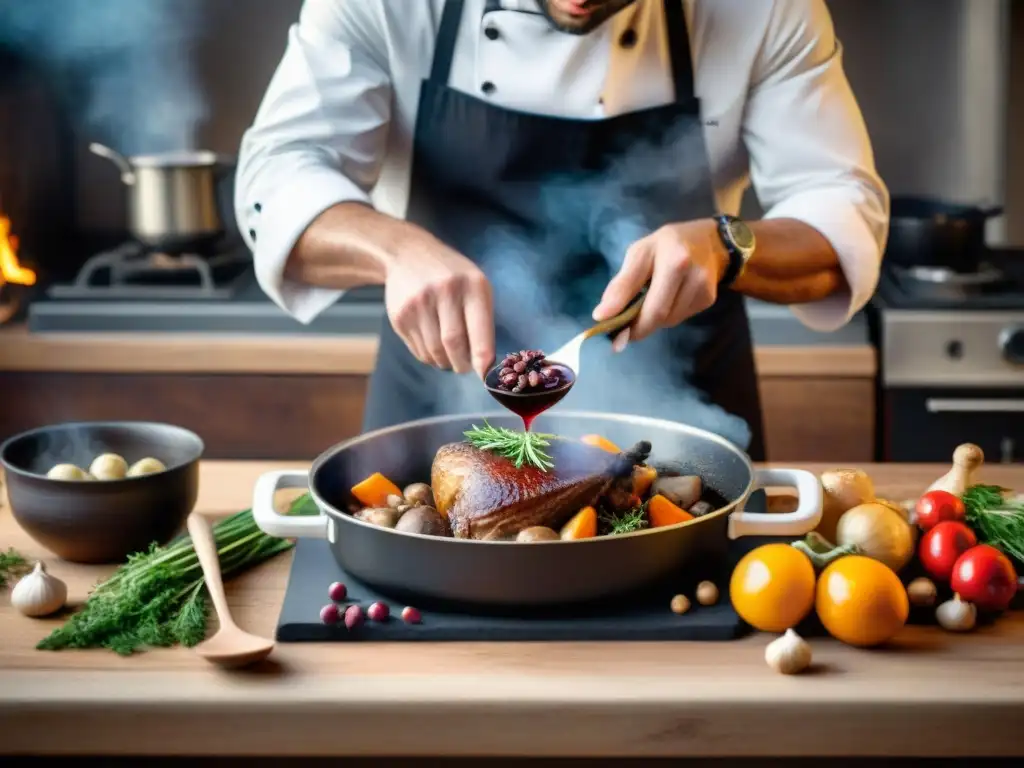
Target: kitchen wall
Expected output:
[931,77]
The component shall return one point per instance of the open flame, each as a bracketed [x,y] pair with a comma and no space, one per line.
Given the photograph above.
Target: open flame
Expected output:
[11,270]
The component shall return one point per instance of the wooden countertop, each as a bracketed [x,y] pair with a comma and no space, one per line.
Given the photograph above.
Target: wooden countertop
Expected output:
[21,350]
[930,694]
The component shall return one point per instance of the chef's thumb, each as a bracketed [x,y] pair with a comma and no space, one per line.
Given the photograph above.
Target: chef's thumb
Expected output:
[626,284]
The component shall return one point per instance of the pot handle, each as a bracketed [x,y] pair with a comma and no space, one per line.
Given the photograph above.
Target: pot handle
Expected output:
[122,162]
[803,519]
[282,526]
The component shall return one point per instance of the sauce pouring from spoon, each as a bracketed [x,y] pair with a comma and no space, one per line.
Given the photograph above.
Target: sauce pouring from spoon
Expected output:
[558,372]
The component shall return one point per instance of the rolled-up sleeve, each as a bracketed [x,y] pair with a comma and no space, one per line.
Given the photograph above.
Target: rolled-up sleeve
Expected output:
[811,158]
[318,139]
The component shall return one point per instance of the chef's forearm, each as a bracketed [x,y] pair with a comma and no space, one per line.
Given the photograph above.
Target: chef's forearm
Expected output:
[793,264]
[350,245]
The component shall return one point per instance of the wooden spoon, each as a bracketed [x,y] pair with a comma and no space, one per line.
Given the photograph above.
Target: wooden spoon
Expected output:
[231,646]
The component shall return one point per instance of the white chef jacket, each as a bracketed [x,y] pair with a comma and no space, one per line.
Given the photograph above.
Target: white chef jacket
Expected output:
[336,123]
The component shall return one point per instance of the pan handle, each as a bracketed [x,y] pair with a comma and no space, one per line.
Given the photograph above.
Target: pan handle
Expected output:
[282,526]
[802,520]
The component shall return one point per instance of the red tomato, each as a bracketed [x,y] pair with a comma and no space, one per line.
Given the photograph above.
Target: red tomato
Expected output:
[985,576]
[936,506]
[942,546]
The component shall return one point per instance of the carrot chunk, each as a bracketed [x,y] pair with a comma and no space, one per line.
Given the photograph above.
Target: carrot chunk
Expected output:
[662,512]
[600,442]
[582,526]
[374,490]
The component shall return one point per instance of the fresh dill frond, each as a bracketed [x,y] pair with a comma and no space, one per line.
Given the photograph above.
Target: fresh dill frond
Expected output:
[11,564]
[997,520]
[158,598]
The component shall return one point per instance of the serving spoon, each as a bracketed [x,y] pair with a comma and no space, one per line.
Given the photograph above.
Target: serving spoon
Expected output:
[231,647]
[528,405]
[569,353]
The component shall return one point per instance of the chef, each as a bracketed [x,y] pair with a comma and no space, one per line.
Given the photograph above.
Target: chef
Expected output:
[511,170]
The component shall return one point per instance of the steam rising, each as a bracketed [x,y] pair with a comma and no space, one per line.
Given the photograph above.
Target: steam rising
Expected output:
[549,300]
[125,65]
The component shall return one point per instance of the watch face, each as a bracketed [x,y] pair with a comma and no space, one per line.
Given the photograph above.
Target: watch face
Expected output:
[741,235]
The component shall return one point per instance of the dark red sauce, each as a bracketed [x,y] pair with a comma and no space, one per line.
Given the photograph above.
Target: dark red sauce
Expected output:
[529,404]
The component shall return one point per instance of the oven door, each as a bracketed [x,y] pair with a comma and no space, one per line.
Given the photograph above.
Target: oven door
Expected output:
[927,424]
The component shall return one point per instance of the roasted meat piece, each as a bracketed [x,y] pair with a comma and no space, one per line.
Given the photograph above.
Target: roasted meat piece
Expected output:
[484,496]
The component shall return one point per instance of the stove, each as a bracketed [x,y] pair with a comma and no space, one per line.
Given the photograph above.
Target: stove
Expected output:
[129,289]
[951,355]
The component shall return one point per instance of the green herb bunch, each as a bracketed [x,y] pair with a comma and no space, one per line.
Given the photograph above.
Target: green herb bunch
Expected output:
[518,447]
[634,519]
[159,598]
[11,564]
[997,520]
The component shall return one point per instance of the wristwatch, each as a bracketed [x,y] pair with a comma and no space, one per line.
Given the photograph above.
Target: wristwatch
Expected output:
[739,242]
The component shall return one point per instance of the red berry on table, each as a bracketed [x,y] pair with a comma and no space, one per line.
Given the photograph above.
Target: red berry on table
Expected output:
[337,592]
[353,616]
[410,615]
[330,614]
[942,546]
[938,506]
[378,612]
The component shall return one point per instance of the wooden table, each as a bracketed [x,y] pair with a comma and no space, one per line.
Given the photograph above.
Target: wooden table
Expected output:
[930,694]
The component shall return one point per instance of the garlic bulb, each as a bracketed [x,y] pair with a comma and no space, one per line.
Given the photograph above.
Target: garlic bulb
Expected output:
[956,616]
[39,593]
[789,654]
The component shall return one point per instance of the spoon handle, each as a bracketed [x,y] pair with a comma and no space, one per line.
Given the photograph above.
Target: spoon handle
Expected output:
[206,549]
[621,320]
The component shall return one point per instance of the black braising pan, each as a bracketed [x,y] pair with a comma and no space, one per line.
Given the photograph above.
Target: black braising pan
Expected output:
[500,573]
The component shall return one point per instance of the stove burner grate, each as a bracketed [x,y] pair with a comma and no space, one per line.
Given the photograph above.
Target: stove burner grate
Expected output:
[134,272]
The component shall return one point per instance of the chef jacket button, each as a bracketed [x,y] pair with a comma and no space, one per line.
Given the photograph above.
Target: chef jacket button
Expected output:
[488,88]
[258,207]
[492,33]
[628,39]
[252,234]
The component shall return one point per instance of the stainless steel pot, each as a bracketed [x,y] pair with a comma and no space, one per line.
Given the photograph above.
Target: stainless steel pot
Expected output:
[506,574]
[172,203]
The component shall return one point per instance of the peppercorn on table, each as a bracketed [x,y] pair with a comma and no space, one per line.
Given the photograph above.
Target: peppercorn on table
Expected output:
[931,693]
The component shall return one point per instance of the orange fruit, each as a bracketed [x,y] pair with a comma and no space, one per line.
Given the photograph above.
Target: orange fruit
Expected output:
[861,601]
[772,587]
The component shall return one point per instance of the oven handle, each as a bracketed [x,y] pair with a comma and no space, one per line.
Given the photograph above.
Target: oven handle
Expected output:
[953,405]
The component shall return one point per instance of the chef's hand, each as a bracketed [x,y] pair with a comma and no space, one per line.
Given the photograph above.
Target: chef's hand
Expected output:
[439,303]
[684,263]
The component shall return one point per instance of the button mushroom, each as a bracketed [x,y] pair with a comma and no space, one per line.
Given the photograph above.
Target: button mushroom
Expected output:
[385,517]
[537,533]
[419,495]
[683,491]
[423,520]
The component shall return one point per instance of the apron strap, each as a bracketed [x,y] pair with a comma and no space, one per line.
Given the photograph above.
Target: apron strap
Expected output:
[675,25]
[679,51]
[447,35]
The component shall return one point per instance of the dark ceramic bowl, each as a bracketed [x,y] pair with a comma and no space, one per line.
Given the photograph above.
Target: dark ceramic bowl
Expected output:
[101,521]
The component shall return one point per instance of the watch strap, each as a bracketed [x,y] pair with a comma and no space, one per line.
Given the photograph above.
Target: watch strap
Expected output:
[737,258]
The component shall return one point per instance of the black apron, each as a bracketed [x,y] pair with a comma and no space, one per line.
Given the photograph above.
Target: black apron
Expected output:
[547,207]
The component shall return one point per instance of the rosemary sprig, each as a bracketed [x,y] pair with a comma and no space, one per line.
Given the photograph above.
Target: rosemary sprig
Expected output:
[11,564]
[997,520]
[518,447]
[626,522]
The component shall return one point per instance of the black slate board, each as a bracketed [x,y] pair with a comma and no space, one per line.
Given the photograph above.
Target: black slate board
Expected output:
[645,617]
